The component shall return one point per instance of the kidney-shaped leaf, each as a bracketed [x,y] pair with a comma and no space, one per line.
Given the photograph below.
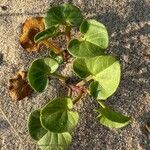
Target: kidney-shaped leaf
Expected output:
[64,14]
[57,117]
[39,72]
[46,139]
[112,119]
[55,141]
[50,32]
[103,69]
[95,40]
[35,128]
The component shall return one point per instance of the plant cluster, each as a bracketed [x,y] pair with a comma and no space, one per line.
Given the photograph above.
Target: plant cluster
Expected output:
[51,125]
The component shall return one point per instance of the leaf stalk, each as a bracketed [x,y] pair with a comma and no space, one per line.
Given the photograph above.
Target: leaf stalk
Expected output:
[68,33]
[54,48]
[78,97]
[102,104]
[81,83]
[59,76]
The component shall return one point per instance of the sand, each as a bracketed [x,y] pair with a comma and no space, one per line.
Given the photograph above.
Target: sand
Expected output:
[128,26]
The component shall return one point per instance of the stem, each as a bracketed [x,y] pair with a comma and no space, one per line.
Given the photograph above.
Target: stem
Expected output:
[58,76]
[69,92]
[55,49]
[78,98]
[81,83]
[77,88]
[102,104]
[68,33]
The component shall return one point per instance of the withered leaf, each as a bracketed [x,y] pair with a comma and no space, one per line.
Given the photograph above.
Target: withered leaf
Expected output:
[18,86]
[29,29]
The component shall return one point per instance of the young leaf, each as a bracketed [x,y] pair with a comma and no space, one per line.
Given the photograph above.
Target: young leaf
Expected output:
[104,69]
[57,117]
[50,32]
[46,139]
[112,119]
[35,128]
[94,43]
[39,72]
[64,14]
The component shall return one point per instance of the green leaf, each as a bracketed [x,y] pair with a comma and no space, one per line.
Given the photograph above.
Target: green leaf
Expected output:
[46,139]
[112,119]
[64,14]
[57,117]
[80,68]
[94,42]
[35,129]
[50,32]
[39,72]
[103,69]
[95,89]
[55,141]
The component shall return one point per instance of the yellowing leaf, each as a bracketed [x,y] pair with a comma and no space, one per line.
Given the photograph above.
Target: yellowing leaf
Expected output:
[18,87]
[30,28]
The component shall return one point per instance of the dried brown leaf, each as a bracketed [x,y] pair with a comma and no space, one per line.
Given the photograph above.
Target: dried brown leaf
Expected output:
[18,87]
[29,29]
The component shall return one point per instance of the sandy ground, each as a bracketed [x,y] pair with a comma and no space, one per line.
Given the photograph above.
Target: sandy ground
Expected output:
[128,26]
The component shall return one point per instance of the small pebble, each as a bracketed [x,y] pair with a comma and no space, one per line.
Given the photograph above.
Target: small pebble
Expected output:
[4,8]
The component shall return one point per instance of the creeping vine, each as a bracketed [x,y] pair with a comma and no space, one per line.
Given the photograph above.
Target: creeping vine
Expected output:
[51,125]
